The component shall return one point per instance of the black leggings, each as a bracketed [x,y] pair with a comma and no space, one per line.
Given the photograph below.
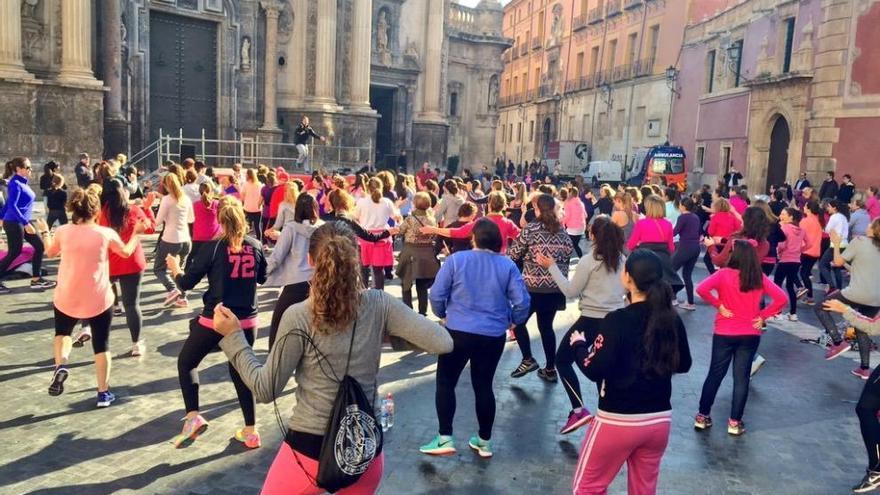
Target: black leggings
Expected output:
[685,259]
[565,357]
[53,216]
[827,320]
[483,353]
[542,306]
[807,264]
[15,237]
[290,295]
[741,351]
[422,286]
[378,277]
[130,288]
[576,242]
[866,410]
[788,272]
[255,222]
[100,325]
[200,342]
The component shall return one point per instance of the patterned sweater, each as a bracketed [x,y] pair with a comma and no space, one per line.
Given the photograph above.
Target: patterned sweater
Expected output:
[534,239]
[410,226]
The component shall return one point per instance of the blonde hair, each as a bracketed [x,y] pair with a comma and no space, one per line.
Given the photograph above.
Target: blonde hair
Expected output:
[720,204]
[655,207]
[497,202]
[336,283]
[172,186]
[341,201]
[291,192]
[421,201]
[122,159]
[84,205]
[230,216]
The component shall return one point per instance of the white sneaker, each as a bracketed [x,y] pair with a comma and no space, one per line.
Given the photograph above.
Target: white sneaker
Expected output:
[180,302]
[675,303]
[138,348]
[792,317]
[83,336]
[757,363]
[171,297]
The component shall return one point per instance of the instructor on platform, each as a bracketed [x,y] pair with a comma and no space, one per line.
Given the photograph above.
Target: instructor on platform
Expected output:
[301,139]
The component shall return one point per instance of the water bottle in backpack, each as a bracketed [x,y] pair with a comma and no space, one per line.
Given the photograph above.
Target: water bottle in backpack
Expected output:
[386,412]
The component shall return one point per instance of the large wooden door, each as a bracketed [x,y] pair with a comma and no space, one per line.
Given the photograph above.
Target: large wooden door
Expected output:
[777,165]
[183,76]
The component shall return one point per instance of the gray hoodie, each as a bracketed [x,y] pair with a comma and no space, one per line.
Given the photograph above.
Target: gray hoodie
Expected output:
[600,291]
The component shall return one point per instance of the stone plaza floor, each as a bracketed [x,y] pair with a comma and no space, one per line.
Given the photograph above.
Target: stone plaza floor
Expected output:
[802,434]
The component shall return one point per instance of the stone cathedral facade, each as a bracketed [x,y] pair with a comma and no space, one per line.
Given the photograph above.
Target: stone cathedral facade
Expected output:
[375,76]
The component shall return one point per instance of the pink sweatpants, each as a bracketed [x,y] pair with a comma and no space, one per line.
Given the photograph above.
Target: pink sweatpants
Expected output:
[286,477]
[612,439]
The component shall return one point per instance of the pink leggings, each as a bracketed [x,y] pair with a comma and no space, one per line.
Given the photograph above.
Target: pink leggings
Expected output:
[612,439]
[286,477]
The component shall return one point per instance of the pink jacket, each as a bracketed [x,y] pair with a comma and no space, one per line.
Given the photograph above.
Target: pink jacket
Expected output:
[651,230]
[795,243]
[872,205]
[722,288]
[738,204]
[575,216]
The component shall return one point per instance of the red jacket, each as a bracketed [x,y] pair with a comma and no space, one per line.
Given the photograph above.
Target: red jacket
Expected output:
[137,262]
[723,224]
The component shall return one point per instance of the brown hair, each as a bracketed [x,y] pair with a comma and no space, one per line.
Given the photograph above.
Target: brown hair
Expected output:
[83,205]
[546,206]
[497,202]
[421,201]
[375,188]
[250,175]
[190,176]
[336,283]
[230,216]
[57,181]
[874,230]
[341,200]
[207,194]
[608,242]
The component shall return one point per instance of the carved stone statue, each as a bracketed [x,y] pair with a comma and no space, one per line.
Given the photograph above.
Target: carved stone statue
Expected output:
[245,54]
[412,52]
[382,39]
[29,8]
[493,93]
[556,26]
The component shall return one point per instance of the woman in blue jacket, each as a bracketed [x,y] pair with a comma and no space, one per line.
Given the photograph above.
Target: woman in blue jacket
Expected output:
[17,215]
[479,293]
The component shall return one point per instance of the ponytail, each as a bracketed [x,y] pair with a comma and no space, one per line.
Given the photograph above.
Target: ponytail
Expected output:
[207,194]
[375,186]
[230,216]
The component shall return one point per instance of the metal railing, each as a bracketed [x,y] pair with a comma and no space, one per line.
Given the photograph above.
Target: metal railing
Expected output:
[579,22]
[250,151]
[536,43]
[595,15]
[631,4]
[523,49]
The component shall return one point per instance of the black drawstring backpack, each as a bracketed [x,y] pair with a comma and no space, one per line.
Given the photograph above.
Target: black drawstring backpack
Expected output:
[353,439]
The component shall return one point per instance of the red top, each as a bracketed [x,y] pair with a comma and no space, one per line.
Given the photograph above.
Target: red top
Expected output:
[722,288]
[137,262]
[723,224]
[277,199]
[509,230]
[651,230]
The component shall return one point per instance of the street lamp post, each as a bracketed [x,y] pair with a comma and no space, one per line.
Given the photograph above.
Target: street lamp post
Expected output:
[671,81]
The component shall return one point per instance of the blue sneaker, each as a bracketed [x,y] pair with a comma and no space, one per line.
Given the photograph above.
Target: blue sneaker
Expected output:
[105,398]
[483,448]
[58,377]
[440,445]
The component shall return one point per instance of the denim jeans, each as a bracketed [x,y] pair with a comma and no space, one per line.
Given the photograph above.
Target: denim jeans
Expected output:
[827,320]
[833,275]
[741,350]
[303,156]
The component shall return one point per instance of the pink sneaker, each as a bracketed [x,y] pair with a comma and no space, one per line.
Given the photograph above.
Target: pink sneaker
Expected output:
[861,373]
[192,428]
[250,440]
[837,350]
[576,420]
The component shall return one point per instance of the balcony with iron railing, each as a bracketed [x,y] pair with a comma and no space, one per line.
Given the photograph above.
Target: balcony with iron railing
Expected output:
[536,43]
[595,15]
[547,89]
[523,49]
[612,8]
[622,72]
[631,4]
[579,22]
[644,67]
[514,52]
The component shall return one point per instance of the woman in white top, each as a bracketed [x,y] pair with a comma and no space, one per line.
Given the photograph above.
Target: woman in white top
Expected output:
[175,213]
[373,214]
[838,223]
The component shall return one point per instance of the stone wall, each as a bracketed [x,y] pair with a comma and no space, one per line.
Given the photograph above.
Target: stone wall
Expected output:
[50,122]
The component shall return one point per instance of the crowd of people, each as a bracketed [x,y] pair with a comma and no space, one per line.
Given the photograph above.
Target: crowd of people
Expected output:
[485,253]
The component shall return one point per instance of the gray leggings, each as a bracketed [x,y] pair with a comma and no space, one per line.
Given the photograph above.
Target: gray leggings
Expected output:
[160,268]
[130,288]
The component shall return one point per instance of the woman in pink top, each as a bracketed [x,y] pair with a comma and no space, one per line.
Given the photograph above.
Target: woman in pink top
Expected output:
[252,201]
[83,291]
[654,233]
[736,292]
[206,228]
[575,217]
[872,202]
[789,253]
[497,205]
[738,200]
[813,233]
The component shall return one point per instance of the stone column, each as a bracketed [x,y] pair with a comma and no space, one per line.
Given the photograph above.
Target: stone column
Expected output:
[361,41]
[11,64]
[433,61]
[325,57]
[76,42]
[112,34]
[270,117]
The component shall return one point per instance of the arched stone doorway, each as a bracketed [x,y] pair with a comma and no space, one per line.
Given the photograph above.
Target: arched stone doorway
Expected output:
[777,164]
[546,136]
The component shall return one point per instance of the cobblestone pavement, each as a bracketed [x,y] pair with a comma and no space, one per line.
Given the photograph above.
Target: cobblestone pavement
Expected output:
[802,432]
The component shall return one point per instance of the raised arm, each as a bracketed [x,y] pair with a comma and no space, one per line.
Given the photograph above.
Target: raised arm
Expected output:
[403,322]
